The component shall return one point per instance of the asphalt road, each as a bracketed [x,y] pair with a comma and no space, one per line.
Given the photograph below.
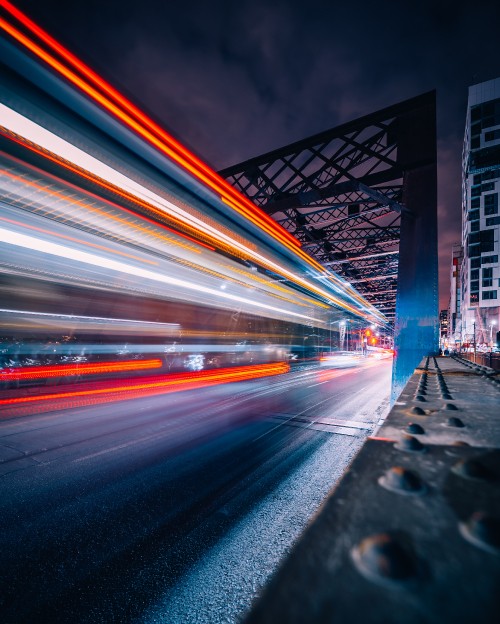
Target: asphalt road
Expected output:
[106,510]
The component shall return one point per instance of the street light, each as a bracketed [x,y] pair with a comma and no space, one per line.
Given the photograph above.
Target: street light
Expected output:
[492,325]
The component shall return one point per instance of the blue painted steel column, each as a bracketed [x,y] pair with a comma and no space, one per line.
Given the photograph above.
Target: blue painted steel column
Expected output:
[416,324]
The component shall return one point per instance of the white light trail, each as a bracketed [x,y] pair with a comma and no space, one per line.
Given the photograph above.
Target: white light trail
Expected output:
[11,237]
[35,133]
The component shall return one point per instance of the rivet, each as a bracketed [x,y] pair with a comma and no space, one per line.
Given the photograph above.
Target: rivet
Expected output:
[453,421]
[450,406]
[415,428]
[421,392]
[419,397]
[482,530]
[446,396]
[403,481]
[383,559]
[417,410]
[409,443]
[471,469]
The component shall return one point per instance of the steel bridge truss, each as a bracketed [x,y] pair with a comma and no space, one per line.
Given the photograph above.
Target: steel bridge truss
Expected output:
[361,198]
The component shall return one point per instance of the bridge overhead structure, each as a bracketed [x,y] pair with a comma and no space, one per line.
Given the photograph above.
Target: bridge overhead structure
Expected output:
[362,200]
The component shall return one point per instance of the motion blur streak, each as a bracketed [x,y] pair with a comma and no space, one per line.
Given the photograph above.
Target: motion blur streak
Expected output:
[203,173]
[123,390]
[91,208]
[44,372]
[265,222]
[88,165]
[29,242]
[80,242]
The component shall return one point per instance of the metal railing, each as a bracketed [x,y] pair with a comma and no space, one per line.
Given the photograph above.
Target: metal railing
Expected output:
[492,360]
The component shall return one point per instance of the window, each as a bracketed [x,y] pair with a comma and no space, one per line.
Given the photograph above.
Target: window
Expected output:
[475,191]
[474,298]
[493,135]
[489,259]
[487,278]
[487,240]
[489,175]
[489,294]
[475,203]
[473,215]
[474,286]
[475,263]
[474,275]
[491,204]
[474,226]
[492,221]
[476,113]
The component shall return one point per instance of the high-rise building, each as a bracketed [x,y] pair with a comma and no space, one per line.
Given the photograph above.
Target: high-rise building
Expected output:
[443,328]
[480,276]
[454,308]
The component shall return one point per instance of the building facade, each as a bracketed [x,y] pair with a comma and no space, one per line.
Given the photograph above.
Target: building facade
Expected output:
[454,337]
[443,329]
[480,274]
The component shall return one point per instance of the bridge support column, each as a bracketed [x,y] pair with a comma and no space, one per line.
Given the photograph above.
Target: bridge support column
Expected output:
[416,323]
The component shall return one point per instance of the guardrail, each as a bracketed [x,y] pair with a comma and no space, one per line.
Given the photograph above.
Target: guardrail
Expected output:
[492,360]
[412,532]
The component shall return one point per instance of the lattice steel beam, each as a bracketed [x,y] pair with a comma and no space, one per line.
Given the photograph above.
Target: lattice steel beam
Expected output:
[350,195]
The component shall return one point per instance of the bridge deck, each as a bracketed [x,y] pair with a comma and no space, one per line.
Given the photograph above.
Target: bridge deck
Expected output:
[412,533]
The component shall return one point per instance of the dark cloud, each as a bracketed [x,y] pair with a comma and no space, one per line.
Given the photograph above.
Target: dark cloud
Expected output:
[236,79]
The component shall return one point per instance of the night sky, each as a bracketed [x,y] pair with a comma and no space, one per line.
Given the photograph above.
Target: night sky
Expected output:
[234,79]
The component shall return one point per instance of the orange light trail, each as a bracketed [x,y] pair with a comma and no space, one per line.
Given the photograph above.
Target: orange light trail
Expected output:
[151,132]
[105,392]
[106,185]
[87,193]
[68,370]
[76,240]
[155,135]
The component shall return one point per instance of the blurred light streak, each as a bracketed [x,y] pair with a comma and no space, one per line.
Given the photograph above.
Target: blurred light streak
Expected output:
[85,163]
[228,243]
[91,321]
[111,391]
[11,237]
[167,144]
[92,207]
[110,187]
[136,120]
[79,241]
[85,368]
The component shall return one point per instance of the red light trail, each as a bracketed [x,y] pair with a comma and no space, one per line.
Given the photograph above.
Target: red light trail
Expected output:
[85,368]
[135,119]
[120,390]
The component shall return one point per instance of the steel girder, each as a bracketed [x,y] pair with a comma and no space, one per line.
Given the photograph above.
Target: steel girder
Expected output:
[350,195]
